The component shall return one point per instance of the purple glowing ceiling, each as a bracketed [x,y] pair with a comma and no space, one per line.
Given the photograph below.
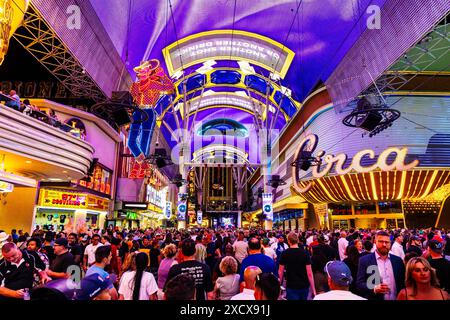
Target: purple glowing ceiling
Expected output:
[320,32]
[315,33]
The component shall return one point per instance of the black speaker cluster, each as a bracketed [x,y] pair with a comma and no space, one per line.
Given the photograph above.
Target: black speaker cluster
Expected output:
[379,129]
[160,158]
[371,115]
[275,181]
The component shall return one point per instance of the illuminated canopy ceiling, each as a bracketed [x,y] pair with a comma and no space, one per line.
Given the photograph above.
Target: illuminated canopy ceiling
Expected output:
[229,49]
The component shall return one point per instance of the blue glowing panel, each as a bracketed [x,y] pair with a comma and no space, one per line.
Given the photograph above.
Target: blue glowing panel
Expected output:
[194,82]
[225,77]
[285,103]
[257,83]
[163,103]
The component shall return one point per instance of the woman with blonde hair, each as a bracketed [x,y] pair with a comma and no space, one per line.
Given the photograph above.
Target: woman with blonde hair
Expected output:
[169,252]
[421,282]
[228,285]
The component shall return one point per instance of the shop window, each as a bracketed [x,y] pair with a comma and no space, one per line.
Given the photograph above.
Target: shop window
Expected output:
[401,223]
[340,224]
[340,209]
[390,207]
[365,208]
[390,224]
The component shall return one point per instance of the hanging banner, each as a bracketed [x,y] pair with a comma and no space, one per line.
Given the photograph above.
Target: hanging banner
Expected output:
[168,210]
[267,205]
[199,217]
[182,207]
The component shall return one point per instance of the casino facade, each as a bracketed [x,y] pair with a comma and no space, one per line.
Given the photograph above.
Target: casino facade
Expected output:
[396,179]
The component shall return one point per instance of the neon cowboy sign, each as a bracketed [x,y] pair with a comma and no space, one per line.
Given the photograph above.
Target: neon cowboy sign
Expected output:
[309,143]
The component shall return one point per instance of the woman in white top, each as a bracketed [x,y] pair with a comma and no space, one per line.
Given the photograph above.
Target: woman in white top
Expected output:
[228,285]
[137,284]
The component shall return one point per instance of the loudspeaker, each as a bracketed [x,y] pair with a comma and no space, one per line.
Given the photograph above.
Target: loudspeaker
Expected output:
[121,117]
[369,121]
[160,152]
[275,181]
[303,161]
[160,163]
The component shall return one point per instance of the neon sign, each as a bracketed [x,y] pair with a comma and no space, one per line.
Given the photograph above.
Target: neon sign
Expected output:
[330,160]
[141,133]
[228,44]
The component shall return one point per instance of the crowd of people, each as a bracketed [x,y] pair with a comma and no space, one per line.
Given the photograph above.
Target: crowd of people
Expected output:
[226,264]
[12,100]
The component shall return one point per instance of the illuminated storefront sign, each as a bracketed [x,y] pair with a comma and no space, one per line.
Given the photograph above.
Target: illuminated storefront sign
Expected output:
[58,199]
[229,45]
[62,199]
[97,203]
[100,181]
[156,197]
[310,143]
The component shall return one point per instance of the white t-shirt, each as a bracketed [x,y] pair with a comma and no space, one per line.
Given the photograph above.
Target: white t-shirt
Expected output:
[342,245]
[148,285]
[240,250]
[397,249]
[270,253]
[246,294]
[272,241]
[338,295]
[90,252]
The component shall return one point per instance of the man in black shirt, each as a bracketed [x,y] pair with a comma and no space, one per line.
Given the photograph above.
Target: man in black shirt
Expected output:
[438,262]
[17,270]
[197,270]
[123,247]
[47,247]
[299,275]
[75,249]
[63,260]
[415,245]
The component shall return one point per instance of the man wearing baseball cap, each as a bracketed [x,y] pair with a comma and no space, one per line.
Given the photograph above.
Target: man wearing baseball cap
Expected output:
[438,262]
[95,287]
[339,279]
[63,260]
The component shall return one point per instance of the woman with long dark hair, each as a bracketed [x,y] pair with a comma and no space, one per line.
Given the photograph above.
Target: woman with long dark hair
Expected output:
[137,284]
[352,261]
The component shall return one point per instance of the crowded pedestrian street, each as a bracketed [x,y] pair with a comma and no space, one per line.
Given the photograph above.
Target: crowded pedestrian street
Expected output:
[181,152]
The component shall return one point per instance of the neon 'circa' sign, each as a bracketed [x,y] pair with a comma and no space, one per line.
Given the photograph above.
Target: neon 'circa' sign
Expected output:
[319,171]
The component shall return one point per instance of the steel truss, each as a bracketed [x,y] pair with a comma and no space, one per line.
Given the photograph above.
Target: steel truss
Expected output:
[41,41]
[432,48]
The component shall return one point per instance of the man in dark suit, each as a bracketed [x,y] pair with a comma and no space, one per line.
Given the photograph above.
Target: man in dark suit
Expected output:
[381,275]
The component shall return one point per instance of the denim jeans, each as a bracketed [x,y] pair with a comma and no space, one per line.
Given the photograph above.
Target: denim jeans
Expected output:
[297,294]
